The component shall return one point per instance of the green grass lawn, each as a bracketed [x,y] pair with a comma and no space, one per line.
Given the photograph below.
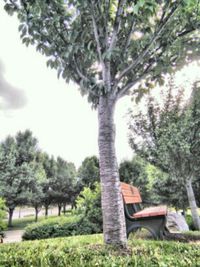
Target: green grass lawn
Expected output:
[21,223]
[89,251]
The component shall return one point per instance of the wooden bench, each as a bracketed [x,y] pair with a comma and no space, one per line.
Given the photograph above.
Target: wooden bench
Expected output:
[153,218]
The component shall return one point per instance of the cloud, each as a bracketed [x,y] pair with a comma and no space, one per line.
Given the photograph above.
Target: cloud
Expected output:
[11,97]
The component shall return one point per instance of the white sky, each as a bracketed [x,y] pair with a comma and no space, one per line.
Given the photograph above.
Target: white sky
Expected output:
[55,112]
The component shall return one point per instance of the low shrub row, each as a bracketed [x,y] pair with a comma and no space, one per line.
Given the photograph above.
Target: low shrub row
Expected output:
[88,251]
[87,219]
[60,227]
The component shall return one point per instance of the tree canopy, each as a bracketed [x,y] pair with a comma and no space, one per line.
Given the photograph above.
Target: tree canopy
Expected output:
[132,39]
[88,173]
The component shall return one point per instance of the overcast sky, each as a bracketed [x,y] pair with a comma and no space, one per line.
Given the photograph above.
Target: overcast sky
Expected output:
[31,97]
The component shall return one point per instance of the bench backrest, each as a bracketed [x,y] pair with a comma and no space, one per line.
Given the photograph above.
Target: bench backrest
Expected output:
[131,194]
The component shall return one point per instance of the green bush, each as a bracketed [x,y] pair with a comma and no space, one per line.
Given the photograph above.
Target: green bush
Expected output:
[87,219]
[52,227]
[89,206]
[2,216]
[88,251]
[190,222]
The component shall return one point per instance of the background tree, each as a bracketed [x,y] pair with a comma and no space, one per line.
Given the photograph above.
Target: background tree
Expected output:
[49,165]
[35,194]
[107,47]
[14,179]
[168,138]
[88,173]
[170,190]
[135,173]
[62,184]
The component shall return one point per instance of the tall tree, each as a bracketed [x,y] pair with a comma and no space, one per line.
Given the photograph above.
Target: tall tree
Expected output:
[88,173]
[49,166]
[167,135]
[14,179]
[62,184]
[107,47]
[35,193]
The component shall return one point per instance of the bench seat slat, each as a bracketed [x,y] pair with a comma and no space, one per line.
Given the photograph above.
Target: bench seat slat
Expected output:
[151,212]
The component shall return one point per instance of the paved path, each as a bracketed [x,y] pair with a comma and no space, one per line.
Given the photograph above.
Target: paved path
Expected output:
[13,236]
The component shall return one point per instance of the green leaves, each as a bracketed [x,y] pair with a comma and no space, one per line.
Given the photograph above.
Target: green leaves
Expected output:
[2,216]
[145,7]
[151,36]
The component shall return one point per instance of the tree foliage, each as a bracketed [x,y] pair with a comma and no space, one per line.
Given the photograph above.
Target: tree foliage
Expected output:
[30,177]
[2,216]
[62,184]
[133,39]
[89,207]
[88,173]
[135,172]
[167,135]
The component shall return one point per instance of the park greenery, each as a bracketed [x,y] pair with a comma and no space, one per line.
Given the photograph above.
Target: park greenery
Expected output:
[167,135]
[88,251]
[107,48]
[2,216]
[47,182]
[30,177]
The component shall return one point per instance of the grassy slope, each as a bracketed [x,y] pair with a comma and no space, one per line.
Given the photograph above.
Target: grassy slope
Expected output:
[88,251]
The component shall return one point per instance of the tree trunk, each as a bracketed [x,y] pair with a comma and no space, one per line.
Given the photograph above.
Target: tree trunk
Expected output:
[192,204]
[36,213]
[59,209]
[114,228]
[64,208]
[46,210]
[11,210]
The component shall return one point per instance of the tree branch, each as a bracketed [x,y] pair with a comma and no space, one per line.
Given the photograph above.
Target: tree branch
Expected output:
[129,35]
[117,24]
[96,34]
[106,19]
[125,89]
[79,72]
[140,57]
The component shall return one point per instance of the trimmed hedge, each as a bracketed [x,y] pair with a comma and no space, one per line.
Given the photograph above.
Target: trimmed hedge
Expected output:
[60,227]
[88,251]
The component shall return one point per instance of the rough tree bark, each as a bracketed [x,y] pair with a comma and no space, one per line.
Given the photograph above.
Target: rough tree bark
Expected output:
[192,204]
[64,208]
[36,213]
[59,209]
[11,210]
[46,210]
[112,203]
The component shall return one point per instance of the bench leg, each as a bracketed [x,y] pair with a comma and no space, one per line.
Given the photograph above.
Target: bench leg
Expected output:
[156,226]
